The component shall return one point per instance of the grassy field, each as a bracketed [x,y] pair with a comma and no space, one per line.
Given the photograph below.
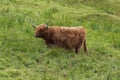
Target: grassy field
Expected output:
[24,57]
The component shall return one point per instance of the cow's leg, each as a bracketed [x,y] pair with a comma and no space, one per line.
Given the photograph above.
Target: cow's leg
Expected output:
[78,47]
[47,43]
[76,50]
[68,47]
[85,48]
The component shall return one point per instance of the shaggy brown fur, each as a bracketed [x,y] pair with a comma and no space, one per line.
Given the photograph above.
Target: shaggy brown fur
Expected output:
[66,37]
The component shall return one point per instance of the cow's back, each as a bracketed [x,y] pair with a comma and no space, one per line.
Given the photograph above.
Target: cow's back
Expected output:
[67,36]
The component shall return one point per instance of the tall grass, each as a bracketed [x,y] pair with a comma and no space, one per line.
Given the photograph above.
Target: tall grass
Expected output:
[24,57]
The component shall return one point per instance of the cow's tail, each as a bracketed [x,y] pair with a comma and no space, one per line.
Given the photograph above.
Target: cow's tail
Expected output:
[85,47]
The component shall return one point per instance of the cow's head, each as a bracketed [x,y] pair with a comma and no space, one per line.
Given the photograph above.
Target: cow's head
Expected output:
[40,30]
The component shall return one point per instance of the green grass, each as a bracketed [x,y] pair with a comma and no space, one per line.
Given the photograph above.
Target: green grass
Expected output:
[24,57]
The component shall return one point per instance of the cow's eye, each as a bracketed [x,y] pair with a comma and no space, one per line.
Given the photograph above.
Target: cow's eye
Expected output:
[41,30]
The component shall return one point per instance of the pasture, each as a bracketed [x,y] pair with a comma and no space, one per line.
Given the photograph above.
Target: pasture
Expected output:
[24,57]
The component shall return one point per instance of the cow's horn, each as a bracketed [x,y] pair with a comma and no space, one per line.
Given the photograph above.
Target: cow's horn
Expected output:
[46,25]
[33,26]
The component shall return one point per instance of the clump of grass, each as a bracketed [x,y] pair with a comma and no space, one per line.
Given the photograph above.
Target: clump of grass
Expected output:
[22,56]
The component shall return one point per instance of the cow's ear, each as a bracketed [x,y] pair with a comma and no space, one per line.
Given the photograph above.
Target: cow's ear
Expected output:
[34,26]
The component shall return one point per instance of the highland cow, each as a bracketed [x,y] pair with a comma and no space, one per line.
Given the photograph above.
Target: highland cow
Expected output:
[66,37]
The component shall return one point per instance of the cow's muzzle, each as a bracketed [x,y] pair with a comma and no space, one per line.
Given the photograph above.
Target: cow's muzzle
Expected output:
[36,35]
